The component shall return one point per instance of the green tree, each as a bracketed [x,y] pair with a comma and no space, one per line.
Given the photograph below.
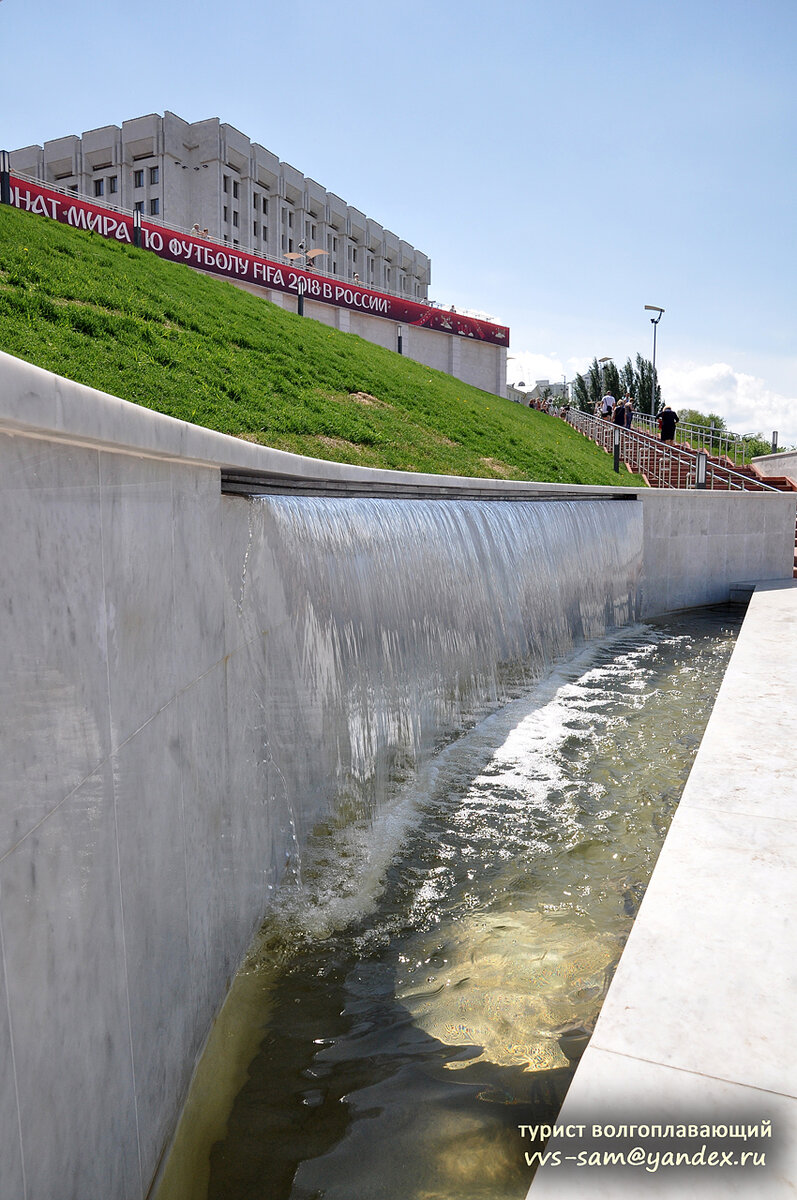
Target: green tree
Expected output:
[644,399]
[589,388]
[713,423]
[706,420]
[756,444]
[628,379]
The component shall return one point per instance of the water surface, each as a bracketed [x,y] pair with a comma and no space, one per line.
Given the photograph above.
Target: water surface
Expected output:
[430,976]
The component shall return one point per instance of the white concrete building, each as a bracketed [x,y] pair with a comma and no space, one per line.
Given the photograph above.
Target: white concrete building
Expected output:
[209,173]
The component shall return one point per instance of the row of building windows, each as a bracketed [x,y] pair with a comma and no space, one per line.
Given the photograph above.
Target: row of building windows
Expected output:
[154,206]
[154,176]
[113,181]
[287,243]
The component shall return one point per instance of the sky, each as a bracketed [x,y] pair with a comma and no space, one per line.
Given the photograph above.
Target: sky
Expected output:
[563,163]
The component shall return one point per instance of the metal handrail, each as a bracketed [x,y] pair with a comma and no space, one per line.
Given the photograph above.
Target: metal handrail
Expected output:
[664,465]
[700,437]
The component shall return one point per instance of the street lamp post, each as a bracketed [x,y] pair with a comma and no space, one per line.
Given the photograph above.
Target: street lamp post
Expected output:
[301,284]
[5,177]
[601,361]
[655,323]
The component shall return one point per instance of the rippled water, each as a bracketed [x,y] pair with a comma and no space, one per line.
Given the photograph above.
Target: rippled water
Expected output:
[432,977]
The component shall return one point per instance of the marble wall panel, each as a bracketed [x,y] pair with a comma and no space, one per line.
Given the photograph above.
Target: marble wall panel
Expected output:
[220,926]
[153,876]
[138,555]
[11,1166]
[53,686]
[66,979]
[698,543]
[198,572]
[259,834]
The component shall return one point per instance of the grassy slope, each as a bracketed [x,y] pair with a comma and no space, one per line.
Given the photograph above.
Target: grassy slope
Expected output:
[166,337]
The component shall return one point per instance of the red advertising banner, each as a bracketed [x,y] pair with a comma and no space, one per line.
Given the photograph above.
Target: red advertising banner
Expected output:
[236,264]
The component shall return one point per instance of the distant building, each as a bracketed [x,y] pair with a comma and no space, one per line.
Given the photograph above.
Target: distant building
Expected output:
[208,173]
[517,394]
[543,390]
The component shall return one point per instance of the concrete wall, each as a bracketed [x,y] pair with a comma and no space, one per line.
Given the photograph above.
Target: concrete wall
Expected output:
[135,847]
[784,463]
[697,543]
[481,364]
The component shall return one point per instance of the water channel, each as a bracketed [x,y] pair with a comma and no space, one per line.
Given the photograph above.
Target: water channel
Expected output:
[431,973]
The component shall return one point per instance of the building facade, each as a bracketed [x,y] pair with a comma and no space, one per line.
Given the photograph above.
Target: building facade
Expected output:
[210,174]
[542,390]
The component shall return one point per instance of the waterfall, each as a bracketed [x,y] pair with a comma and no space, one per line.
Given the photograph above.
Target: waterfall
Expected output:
[383,627]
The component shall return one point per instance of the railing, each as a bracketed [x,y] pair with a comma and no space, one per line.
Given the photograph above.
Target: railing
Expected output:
[720,442]
[158,220]
[662,464]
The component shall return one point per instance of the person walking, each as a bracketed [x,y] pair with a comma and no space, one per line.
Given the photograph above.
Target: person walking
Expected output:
[667,422]
[607,406]
[629,410]
[619,413]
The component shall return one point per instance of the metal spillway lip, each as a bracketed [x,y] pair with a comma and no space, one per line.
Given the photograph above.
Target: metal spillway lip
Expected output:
[256,483]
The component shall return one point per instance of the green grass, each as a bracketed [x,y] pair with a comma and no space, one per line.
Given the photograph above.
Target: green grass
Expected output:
[163,336]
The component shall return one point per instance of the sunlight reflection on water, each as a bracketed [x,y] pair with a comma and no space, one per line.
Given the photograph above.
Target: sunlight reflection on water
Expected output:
[469,934]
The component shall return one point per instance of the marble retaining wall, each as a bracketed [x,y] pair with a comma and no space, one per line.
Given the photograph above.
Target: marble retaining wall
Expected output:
[135,845]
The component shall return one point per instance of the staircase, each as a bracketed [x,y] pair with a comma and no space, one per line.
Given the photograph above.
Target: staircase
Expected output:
[675,466]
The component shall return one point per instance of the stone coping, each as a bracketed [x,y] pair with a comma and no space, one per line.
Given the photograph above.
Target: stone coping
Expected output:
[697,1027]
[42,404]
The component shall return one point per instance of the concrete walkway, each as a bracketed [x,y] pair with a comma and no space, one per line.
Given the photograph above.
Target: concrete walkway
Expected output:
[699,1024]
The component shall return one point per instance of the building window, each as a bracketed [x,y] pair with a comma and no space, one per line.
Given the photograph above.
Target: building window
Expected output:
[154,206]
[139,206]
[265,206]
[235,218]
[154,174]
[113,184]
[225,183]
[254,230]
[72,187]
[138,179]
[226,218]
[99,187]
[290,219]
[235,189]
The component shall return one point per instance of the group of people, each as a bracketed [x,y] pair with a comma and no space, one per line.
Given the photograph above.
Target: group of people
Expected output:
[545,405]
[620,412]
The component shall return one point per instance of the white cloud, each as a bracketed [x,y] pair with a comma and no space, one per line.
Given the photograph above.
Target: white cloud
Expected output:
[745,402]
[528,367]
